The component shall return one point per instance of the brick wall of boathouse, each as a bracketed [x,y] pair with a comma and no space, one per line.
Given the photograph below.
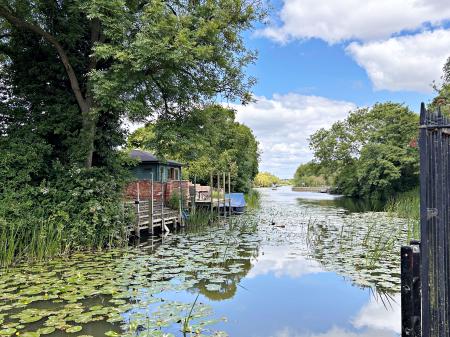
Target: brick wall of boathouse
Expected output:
[145,187]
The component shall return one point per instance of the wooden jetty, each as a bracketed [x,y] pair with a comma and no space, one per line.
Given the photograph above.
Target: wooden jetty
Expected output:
[152,211]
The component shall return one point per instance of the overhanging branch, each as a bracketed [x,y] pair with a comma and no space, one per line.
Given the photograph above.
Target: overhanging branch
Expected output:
[20,23]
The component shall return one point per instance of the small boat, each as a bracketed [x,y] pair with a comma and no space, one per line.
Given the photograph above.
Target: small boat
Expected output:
[238,203]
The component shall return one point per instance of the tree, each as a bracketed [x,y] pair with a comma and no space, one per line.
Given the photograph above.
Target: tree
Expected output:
[71,71]
[207,140]
[266,179]
[310,174]
[371,151]
[121,58]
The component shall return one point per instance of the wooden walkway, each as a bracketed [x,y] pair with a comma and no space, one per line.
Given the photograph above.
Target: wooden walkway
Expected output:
[150,216]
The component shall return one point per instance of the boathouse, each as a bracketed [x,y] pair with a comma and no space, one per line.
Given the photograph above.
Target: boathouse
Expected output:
[150,167]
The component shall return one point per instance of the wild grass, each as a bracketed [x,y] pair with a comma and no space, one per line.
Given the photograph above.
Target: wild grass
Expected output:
[201,217]
[406,205]
[253,199]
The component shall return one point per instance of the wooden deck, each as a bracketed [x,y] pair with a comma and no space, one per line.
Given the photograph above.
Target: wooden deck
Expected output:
[148,217]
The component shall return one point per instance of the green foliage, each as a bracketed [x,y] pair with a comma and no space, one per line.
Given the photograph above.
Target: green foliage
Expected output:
[78,209]
[310,174]
[406,205]
[266,179]
[208,140]
[95,63]
[174,200]
[253,199]
[370,152]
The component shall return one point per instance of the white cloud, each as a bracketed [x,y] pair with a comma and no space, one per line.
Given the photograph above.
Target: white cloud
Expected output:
[280,262]
[373,320]
[283,123]
[341,20]
[379,315]
[409,62]
[335,332]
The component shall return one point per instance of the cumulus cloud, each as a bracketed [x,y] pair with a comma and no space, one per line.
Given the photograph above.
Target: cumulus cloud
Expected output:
[410,62]
[283,123]
[336,21]
[280,262]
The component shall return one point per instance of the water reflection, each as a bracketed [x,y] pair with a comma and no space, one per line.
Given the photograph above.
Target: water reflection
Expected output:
[349,205]
[302,265]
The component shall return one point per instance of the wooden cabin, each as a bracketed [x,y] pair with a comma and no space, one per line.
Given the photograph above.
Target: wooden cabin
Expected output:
[152,167]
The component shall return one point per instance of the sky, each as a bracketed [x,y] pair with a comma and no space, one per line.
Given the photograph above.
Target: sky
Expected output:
[320,59]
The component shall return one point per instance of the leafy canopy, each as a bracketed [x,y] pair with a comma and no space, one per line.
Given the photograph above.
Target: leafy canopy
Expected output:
[372,152]
[208,140]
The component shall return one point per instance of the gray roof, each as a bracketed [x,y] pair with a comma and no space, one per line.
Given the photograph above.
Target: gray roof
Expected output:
[147,157]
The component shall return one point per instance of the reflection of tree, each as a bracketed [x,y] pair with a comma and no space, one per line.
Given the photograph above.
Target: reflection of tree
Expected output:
[364,249]
[229,259]
[227,288]
[351,205]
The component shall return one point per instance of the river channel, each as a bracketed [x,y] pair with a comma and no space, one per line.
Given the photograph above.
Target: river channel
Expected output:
[301,265]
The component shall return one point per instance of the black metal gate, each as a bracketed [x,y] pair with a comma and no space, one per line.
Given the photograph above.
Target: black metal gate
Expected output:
[432,318]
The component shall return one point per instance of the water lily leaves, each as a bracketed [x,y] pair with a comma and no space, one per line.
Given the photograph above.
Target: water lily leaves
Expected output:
[7,331]
[74,329]
[30,334]
[46,330]
[112,334]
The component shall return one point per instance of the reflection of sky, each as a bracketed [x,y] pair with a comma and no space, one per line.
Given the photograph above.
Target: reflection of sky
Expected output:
[281,262]
[286,294]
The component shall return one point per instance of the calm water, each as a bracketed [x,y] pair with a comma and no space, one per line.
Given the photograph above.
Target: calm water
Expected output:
[303,265]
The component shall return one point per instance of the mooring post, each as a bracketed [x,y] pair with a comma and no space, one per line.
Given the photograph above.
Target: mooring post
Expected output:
[218,195]
[151,206]
[163,221]
[229,194]
[224,196]
[137,230]
[211,192]
[194,208]
[180,201]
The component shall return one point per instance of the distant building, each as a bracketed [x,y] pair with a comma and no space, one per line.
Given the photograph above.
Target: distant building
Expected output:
[152,167]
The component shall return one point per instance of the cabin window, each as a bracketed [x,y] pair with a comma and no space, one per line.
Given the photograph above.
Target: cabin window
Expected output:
[174,173]
[162,175]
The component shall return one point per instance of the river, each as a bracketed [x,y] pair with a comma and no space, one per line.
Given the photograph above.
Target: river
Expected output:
[301,265]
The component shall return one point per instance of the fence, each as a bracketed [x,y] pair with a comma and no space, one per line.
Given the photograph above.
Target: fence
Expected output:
[425,299]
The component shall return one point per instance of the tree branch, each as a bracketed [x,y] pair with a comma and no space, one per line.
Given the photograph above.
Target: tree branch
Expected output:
[19,23]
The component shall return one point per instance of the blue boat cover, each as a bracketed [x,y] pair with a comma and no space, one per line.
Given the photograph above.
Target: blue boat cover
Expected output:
[237,199]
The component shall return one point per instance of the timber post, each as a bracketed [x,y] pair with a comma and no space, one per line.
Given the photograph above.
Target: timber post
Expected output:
[218,195]
[229,194]
[152,230]
[137,230]
[211,192]
[224,199]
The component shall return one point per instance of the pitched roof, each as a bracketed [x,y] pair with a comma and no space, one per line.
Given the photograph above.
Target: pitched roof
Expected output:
[147,157]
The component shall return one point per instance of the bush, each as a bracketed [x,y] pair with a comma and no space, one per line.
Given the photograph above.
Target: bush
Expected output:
[76,209]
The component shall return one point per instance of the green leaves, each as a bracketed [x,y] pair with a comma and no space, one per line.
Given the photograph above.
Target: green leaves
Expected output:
[369,152]
[208,139]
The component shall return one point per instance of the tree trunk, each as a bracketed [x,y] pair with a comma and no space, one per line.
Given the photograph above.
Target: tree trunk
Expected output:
[86,104]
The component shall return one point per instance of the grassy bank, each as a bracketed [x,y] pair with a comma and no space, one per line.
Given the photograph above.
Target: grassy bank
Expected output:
[406,205]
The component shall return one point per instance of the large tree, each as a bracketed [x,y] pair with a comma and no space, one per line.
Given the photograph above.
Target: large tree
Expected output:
[207,140]
[78,67]
[372,152]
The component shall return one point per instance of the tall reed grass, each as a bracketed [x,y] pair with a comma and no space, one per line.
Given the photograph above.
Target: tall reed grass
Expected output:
[253,199]
[406,205]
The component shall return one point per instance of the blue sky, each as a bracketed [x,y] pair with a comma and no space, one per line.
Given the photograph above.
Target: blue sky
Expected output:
[319,59]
